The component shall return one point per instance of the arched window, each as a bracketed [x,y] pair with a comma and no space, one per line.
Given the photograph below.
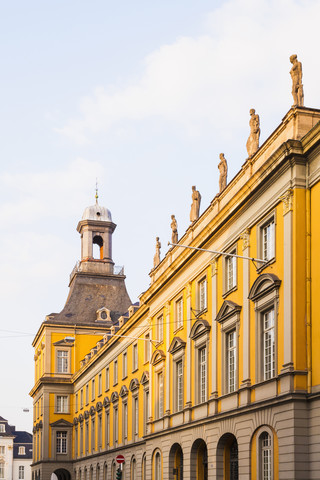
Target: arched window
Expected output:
[105,472]
[144,467]
[133,469]
[97,247]
[157,466]
[265,448]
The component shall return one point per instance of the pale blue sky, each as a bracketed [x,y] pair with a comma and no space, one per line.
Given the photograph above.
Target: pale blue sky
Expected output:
[143,95]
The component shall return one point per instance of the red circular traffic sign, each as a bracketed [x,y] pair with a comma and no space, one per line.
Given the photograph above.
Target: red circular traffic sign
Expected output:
[120,459]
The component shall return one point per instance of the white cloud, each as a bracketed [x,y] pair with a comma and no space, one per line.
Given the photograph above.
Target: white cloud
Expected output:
[207,82]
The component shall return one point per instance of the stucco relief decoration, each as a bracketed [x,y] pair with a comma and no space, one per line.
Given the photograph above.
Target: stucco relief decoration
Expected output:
[245,237]
[286,199]
[214,267]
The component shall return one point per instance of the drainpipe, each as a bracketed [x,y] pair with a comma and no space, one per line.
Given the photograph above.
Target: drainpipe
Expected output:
[308,287]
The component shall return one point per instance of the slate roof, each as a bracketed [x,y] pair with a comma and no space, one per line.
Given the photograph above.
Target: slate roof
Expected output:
[22,439]
[89,293]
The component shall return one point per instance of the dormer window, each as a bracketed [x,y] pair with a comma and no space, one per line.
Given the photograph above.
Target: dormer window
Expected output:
[22,451]
[103,315]
[2,428]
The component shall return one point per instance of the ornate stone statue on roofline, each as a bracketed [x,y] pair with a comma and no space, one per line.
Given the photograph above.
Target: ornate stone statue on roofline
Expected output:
[156,258]
[253,140]
[297,87]
[174,228]
[223,169]
[195,206]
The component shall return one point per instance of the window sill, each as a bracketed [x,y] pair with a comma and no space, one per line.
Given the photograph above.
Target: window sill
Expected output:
[265,265]
[201,312]
[135,370]
[178,329]
[233,289]
[126,376]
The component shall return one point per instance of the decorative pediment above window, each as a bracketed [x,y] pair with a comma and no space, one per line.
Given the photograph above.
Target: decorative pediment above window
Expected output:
[103,315]
[264,284]
[176,345]
[200,327]
[75,421]
[86,414]
[106,402]
[98,406]
[114,397]
[227,310]
[123,392]
[61,423]
[92,410]
[80,418]
[134,384]
[157,357]
[144,378]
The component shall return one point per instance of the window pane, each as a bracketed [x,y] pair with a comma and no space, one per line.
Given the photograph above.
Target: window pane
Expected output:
[268,345]
[179,386]
[231,360]
[203,375]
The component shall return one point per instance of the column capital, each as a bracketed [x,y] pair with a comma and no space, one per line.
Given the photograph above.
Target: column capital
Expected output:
[245,237]
[286,199]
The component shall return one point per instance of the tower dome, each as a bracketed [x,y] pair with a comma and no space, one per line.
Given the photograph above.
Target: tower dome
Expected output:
[97,212]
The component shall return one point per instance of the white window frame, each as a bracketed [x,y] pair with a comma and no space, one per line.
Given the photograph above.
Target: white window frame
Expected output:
[125,421]
[115,372]
[87,394]
[107,378]
[63,360]
[61,442]
[268,344]
[159,329]
[147,347]
[202,288]
[22,451]
[230,271]
[2,428]
[62,404]
[124,365]
[135,417]
[260,453]
[2,470]
[160,394]
[2,449]
[266,240]
[231,349]
[81,398]
[178,307]
[99,384]
[200,336]
[93,389]
[115,425]
[135,357]
[21,472]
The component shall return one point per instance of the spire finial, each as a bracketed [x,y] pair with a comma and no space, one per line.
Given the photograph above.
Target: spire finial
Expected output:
[97,196]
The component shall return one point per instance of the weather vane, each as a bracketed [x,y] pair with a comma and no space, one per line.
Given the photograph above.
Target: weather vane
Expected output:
[97,196]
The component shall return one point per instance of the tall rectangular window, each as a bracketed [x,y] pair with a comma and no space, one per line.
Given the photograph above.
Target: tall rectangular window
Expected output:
[135,416]
[100,384]
[179,379]
[160,395]
[265,456]
[231,272]
[268,240]
[202,374]
[125,420]
[93,389]
[63,361]
[146,411]
[99,432]
[135,357]
[1,469]
[87,438]
[231,360]
[115,426]
[81,439]
[81,398]
[87,394]
[2,449]
[62,404]
[268,345]
[115,372]
[93,434]
[107,378]
[61,442]
[202,287]
[76,403]
[21,472]
[147,347]
[179,313]
[160,328]
[107,428]
[124,365]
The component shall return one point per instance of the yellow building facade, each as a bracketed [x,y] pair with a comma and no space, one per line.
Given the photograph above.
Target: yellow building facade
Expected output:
[214,373]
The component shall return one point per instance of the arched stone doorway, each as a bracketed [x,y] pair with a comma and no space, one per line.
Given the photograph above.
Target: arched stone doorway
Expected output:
[176,462]
[227,457]
[60,474]
[199,460]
